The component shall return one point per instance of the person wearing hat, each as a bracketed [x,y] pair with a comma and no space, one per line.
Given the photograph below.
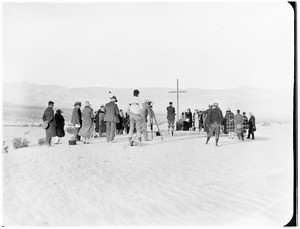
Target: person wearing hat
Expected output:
[214,119]
[111,111]
[135,113]
[229,123]
[145,112]
[87,129]
[206,113]
[252,126]
[245,123]
[60,124]
[102,124]
[48,117]
[238,125]
[171,113]
[76,120]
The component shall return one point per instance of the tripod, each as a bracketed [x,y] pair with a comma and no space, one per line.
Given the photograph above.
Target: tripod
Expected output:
[152,116]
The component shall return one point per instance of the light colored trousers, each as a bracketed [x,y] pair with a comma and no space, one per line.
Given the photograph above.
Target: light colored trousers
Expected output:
[110,131]
[135,120]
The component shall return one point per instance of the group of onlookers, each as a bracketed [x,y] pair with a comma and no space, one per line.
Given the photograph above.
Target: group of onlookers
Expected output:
[111,121]
[229,124]
[88,123]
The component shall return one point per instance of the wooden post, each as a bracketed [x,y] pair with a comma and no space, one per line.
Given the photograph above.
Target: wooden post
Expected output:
[177,92]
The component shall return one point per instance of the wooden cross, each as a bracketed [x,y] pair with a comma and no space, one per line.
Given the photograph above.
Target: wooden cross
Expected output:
[177,91]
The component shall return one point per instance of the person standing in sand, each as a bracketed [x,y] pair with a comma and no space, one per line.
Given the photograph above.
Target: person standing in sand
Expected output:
[252,126]
[60,124]
[135,113]
[171,116]
[49,118]
[245,123]
[111,111]
[214,119]
[238,125]
[102,124]
[76,120]
[87,129]
[145,112]
[229,123]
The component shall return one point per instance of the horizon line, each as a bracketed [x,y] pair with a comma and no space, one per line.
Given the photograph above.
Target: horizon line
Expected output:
[117,88]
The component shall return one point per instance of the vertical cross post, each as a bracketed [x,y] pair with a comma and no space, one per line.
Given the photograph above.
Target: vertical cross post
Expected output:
[177,92]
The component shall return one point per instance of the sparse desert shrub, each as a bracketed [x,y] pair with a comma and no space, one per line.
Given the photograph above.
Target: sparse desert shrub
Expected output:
[20,143]
[265,124]
[42,141]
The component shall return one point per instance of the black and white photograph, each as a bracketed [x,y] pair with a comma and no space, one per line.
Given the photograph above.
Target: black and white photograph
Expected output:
[147,113]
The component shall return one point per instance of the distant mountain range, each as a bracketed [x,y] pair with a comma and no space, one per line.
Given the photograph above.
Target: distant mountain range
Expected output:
[262,102]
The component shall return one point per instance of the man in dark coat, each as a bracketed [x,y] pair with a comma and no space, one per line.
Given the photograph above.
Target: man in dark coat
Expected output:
[48,117]
[171,116]
[111,111]
[214,120]
[252,126]
[206,124]
[76,120]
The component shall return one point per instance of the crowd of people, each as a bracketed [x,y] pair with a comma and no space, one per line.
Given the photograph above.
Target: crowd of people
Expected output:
[109,120]
[214,122]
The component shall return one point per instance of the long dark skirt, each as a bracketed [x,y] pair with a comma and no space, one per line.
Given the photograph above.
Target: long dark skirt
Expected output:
[60,132]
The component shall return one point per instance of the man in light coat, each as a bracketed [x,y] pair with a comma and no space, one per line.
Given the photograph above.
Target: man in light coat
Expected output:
[135,112]
[111,111]
[238,125]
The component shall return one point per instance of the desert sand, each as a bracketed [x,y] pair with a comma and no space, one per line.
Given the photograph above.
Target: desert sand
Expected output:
[176,182]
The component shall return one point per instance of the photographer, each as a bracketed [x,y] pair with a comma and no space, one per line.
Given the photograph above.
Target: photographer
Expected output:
[135,113]
[145,111]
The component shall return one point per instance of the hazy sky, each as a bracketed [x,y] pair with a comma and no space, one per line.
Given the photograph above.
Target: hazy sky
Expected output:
[209,45]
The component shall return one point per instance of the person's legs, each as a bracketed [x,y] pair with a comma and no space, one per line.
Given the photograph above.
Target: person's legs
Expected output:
[144,128]
[131,128]
[217,133]
[209,134]
[138,120]
[48,138]
[108,130]
[112,131]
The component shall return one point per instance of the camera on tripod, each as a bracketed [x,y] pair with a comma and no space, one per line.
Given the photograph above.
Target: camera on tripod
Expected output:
[150,103]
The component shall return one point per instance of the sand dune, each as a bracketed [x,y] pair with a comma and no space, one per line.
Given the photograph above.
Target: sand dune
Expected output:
[177,182]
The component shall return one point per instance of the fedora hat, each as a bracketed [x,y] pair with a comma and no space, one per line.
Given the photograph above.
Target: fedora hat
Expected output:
[114,97]
[216,104]
[77,103]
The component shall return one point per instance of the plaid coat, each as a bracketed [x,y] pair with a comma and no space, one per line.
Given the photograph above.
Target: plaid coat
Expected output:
[229,121]
[245,123]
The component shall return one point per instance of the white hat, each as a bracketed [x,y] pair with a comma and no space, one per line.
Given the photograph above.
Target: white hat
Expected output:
[87,104]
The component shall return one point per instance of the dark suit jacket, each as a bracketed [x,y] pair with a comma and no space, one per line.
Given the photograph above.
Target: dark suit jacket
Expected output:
[171,113]
[111,111]
[215,115]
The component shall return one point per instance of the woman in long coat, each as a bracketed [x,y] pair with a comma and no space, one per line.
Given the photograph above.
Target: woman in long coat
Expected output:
[60,124]
[229,123]
[48,117]
[87,128]
[245,123]
[120,125]
[189,115]
[102,124]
